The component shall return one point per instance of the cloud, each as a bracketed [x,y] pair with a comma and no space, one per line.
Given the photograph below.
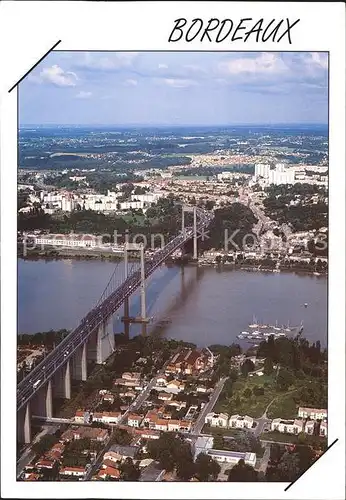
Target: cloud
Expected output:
[55,75]
[130,82]
[112,62]
[83,95]
[178,83]
[264,63]
[319,59]
[162,66]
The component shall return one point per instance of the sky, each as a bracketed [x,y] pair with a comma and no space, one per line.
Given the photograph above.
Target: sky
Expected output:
[176,88]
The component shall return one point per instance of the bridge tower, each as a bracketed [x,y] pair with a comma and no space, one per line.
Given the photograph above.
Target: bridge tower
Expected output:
[142,319]
[194,211]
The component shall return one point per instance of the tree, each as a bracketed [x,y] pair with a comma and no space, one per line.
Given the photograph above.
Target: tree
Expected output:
[288,467]
[242,472]
[206,467]
[218,441]
[258,391]
[121,436]
[44,444]
[284,379]
[129,471]
[246,367]
[185,468]
[268,366]
[247,393]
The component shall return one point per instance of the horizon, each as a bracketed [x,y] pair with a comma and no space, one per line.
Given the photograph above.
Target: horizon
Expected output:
[162,125]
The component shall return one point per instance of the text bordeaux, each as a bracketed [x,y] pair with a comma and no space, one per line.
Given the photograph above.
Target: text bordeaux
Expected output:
[218,31]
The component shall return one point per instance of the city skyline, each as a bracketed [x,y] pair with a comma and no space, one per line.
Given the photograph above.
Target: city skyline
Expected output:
[121,89]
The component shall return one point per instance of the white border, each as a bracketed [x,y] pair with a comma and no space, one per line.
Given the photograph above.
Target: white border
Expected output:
[27,30]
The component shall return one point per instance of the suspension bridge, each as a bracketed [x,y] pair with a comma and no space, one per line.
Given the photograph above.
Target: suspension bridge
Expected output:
[93,338]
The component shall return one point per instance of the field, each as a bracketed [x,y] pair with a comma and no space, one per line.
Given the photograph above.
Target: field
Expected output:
[245,402]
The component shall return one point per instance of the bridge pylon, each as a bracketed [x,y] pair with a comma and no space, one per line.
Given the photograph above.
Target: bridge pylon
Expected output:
[186,209]
[142,319]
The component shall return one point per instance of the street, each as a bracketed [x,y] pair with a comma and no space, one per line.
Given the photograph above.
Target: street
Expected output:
[208,407]
[28,454]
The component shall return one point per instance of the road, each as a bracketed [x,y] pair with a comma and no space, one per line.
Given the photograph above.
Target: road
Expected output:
[208,407]
[28,454]
[265,459]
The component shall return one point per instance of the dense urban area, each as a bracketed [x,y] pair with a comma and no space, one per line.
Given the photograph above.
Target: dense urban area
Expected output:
[160,409]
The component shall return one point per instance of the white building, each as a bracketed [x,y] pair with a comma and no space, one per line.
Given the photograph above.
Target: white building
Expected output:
[310,427]
[69,240]
[217,419]
[232,457]
[312,413]
[262,170]
[280,176]
[134,420]
[287,426]
[241,422]
[323,429]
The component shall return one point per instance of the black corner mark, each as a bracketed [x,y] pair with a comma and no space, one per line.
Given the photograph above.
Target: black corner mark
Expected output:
[333,443]
[34,66]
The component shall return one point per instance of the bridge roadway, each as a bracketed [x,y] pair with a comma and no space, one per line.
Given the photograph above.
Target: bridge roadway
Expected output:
[55,360]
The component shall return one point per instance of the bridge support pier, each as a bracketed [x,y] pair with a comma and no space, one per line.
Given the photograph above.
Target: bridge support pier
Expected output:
[79,364]
[105,341]
[63,382]
[24,425]
[49,400]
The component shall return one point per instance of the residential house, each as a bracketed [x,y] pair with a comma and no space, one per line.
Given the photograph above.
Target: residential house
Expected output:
[111,456]
[202,389]
[108,472]
[92,433]
[108,398]
[121,451]
[79,416]
[45,463]
[241,422]
[32,477]
[173,425]
[150,434]
[217,419]
[126,382]
[72,471]
[312,413]
[134,420]
[177,404]
[310,426]
[188,361]
[135,376]
[165,396]
[185,425]
[161,424]
[323,429]
[111,417]
[151,418]
[287,426]
[174,386]
[161,382]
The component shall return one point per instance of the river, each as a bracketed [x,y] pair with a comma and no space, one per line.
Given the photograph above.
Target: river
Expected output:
[201,305]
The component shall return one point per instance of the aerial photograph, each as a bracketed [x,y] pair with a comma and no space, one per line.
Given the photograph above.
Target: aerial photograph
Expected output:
[172,256]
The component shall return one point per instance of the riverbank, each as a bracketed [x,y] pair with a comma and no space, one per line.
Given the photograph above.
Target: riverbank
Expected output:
[102,255]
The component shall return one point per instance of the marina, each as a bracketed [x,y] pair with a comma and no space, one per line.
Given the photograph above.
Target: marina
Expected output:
[260,332]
